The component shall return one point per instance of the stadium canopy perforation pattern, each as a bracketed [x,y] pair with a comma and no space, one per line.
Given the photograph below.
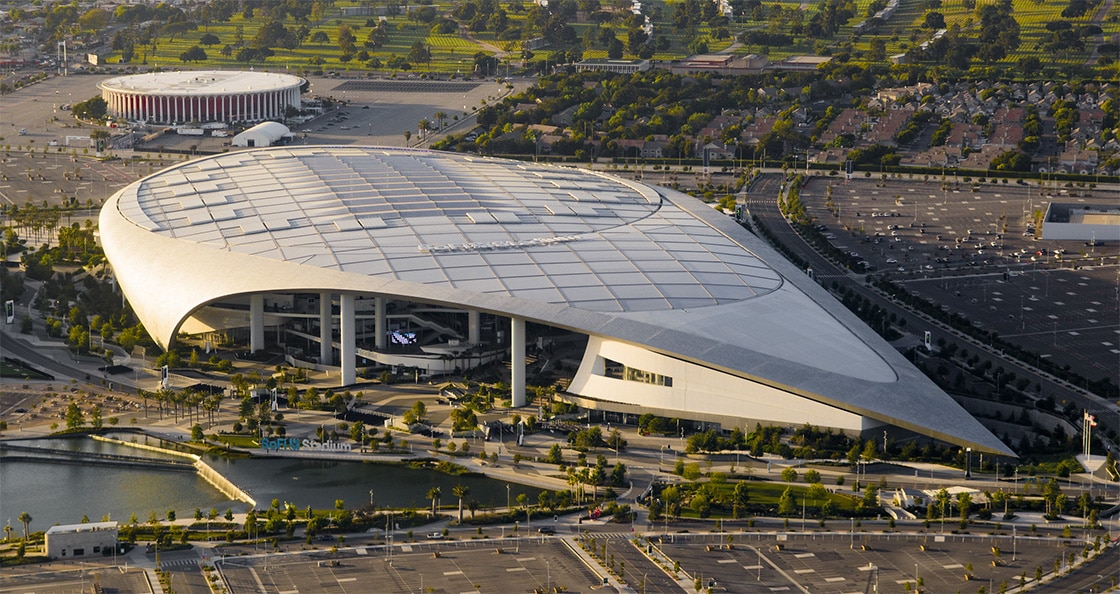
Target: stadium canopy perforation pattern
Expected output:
[428,218]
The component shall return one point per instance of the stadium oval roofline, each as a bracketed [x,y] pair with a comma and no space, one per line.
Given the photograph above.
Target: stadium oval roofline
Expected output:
[704,319]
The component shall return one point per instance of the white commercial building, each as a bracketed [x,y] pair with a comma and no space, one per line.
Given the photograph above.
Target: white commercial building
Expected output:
[382,255]
[201,96]
[81,540]
[262,135]
[1093,222]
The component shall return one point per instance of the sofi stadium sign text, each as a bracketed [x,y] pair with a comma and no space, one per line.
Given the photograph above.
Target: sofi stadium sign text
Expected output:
[293,444]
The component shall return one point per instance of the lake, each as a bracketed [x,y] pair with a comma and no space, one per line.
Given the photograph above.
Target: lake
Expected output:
[61,491]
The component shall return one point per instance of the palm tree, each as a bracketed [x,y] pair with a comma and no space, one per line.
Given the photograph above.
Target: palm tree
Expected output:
[423,127]
[434,494]
[26,519]
[440,116]
[407,136]
[461,492]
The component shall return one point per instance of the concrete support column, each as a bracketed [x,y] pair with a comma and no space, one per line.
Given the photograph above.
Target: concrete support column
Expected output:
[348,347]
[517,361]
[326,336]
[256,322]
[474,327]
[380,340]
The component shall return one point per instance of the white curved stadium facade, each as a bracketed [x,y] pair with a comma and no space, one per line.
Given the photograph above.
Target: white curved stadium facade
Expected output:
[685,313]
[201,96]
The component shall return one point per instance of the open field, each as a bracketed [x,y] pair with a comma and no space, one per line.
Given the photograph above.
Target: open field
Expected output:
[454,53]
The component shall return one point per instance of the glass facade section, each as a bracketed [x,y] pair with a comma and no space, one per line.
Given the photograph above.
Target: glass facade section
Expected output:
[616,370]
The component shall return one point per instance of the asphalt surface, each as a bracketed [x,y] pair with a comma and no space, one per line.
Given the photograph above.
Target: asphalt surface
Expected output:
[761,200]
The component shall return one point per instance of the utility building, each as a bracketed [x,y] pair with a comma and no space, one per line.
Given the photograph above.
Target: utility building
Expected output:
[81,540]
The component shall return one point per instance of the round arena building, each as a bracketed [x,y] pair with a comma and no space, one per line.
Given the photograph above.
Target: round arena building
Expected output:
[201,96]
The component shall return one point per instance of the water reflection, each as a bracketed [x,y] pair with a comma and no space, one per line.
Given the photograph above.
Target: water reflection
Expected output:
[319,483]
[60,492]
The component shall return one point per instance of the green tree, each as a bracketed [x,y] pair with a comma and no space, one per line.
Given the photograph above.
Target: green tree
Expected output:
[789,474]
[346,39]
[870,450]
[701,504]
[460,491]
[94,108]
[785,503]
[358,431]
[74,417]
[196,433]
[416,414]
[615,49]
[555,455]
[739,498]
[194,54]
[434,494]
[25,518]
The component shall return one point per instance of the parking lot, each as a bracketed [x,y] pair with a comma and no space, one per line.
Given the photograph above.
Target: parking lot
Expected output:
[843,562]
[972,248]
[1068,316]
[462,566]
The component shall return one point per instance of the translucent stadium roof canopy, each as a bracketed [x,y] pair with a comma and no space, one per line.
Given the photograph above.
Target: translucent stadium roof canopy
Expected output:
[497,227]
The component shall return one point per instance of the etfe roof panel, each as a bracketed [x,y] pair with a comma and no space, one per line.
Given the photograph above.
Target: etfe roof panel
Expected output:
[560,231]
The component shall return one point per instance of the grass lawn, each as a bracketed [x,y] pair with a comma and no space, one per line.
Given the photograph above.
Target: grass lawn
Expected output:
[16,370]
[767,494]
[236,440]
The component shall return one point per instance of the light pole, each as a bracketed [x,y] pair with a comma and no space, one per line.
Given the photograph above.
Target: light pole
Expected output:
[507,497]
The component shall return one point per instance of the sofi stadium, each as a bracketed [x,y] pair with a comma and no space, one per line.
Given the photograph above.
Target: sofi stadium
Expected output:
[359,257]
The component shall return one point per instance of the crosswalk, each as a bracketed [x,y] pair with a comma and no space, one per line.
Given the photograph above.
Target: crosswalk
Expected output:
[612,535]
[179,562]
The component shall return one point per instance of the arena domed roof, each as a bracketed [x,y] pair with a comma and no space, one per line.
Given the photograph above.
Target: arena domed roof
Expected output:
[201,82]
